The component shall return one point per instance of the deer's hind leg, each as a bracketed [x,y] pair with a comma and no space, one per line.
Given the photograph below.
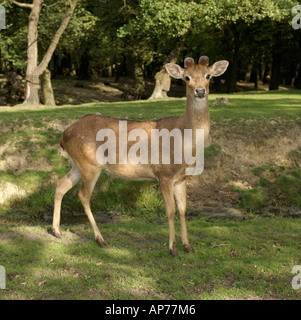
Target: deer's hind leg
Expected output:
[89,178]
[62,186]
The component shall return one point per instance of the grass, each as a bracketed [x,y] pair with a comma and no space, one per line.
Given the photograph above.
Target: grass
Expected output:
[246,258]
[277,185]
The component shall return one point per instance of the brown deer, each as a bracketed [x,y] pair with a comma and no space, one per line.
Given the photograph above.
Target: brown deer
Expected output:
[82,143]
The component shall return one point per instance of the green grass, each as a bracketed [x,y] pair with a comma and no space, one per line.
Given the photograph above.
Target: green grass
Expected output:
[277,185]
[253,199]
[247,105]
[247,259]
[233,259]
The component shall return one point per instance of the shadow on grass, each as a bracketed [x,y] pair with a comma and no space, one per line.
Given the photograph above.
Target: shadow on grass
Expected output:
[233,259]
[111,194]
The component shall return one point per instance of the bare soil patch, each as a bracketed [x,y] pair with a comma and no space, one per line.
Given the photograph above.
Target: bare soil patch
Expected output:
[243,146]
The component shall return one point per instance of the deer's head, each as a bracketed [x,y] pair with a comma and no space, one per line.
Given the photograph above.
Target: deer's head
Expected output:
[197,76]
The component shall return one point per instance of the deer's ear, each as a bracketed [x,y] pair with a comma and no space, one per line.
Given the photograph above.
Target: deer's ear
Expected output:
[174,70]
[218,68]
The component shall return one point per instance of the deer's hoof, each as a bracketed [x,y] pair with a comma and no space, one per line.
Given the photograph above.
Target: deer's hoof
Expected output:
[173,251]
[101,242]
[55,232]
[188,247]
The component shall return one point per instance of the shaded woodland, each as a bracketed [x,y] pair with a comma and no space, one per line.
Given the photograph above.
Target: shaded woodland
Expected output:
[133,39]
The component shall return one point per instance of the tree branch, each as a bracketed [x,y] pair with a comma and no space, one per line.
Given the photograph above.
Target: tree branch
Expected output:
[22,5]
[47,57]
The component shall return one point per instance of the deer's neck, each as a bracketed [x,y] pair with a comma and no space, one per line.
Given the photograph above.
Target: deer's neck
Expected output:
[196,115]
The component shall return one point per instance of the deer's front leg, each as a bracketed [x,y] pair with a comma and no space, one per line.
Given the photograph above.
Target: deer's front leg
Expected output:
[167,192]
[180,195]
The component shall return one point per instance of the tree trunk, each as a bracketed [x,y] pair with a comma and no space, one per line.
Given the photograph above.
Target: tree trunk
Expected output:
[266,73]
[84,68]
[255,75]
[139,79]
[47,88]
[163,80]
[120,69]
[248,73]
[32,90]
[1,64]
[290,74]
[216,85]
[297,82]
[32,85]
[34,71]
[162,86]
[232,37]
[231,76]
[275,76]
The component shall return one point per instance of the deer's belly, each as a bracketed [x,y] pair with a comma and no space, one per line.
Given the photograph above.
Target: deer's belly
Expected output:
[132,172]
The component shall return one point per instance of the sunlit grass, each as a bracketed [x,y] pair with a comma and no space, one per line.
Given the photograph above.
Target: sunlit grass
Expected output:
[234,259]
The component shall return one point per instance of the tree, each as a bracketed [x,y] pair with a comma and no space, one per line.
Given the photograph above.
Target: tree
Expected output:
[158,31]
[234,20]
[35,70]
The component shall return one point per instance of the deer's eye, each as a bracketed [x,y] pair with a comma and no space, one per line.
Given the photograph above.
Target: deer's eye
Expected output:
[208,76]
[187,78]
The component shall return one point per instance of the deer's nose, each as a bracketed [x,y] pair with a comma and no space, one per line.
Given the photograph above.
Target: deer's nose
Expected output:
[200,92]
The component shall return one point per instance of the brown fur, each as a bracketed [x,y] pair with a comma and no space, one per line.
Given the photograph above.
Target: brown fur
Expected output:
[79,141]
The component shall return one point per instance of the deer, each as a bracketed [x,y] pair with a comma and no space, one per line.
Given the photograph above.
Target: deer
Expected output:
[80,142]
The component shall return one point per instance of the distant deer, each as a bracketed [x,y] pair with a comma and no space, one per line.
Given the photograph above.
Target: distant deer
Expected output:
[82,142]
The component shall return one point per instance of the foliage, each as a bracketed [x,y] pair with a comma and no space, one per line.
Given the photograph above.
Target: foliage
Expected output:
[13,39]
[157,25]
[118,34]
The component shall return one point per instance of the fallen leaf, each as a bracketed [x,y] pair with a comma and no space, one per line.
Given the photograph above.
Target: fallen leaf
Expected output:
[99,263]
[42,283]
[23,283]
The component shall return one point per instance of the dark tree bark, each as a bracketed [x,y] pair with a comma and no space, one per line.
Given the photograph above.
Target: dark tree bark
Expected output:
[1,64]
[255,75]
[297,82]
[231,76]
[232,38]
[139,91]
[248,73]
[290,74]
[275,75]
[120,69]
[84,72]
[266,73]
